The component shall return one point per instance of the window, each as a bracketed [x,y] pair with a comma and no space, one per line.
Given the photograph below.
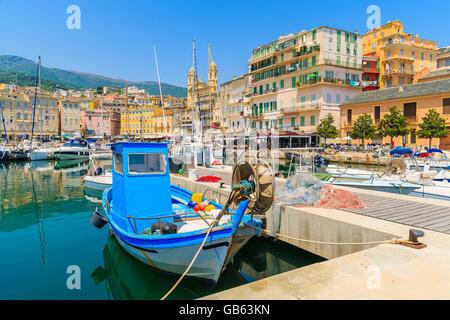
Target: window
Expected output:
[409,110]
[118,163]
[349,116]
[328,97]
[313,120]
[294,82]
[302,121]
[338,99]
[446,106]
[376,113]
[292,122]
[281,84]
[413,137]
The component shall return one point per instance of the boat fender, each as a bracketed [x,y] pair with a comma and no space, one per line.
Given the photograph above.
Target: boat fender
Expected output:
[98,171]
[164,227]
[98,221]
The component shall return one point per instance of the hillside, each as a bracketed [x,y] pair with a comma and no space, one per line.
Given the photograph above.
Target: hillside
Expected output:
[80,80]
[27,80]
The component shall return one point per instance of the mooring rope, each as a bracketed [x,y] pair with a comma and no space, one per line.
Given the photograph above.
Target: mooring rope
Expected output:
[192,262]
[392,241]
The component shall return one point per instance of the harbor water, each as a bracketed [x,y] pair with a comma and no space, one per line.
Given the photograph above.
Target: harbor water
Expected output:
[46,234]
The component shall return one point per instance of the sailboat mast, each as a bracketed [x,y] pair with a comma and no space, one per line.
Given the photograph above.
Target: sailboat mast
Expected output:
[40,96]
[193,87]
[126,106]
[160,94]
[3,120]
[101,115]
[35,99]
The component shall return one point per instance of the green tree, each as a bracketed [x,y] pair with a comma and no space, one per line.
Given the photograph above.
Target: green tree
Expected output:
[99,90]
[433,126]
[393,124]
[363,128]
[326,129]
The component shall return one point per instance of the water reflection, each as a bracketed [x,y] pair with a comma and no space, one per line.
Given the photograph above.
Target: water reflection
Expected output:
[126,278]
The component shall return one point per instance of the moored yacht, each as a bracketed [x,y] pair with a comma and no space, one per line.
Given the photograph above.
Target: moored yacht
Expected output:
[73,149]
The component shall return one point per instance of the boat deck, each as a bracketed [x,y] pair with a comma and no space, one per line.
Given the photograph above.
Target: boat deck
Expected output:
[411,213]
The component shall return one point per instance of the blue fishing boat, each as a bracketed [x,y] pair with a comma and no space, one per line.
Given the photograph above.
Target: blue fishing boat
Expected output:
[154,220]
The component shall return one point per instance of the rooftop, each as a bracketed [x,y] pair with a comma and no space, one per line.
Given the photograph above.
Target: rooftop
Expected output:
[444,71]
[407,91]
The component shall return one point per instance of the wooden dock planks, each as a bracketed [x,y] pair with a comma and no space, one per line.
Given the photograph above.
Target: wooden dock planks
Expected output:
[412,213]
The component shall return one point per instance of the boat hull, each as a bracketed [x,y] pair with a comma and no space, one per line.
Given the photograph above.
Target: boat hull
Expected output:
[73,155]
[42,155]
[210,263]
[98,183]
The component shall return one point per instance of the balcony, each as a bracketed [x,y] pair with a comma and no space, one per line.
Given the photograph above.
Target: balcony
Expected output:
[319,79]
[334,62]
[303,51]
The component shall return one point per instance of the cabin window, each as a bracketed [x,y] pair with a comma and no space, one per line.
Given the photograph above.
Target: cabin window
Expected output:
[118,163]
[149,163]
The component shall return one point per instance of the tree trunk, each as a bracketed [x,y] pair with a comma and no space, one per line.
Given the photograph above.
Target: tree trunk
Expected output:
[392,140]
[429,145]
[364,146]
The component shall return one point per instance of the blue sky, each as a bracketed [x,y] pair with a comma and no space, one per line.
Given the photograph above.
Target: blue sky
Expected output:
[117,37]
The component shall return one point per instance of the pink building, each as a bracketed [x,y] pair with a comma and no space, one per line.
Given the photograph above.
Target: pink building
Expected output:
[98,123]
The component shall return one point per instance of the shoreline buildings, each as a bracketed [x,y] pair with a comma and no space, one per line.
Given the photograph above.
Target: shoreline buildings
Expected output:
[299,78]
[413,100]
[401,56]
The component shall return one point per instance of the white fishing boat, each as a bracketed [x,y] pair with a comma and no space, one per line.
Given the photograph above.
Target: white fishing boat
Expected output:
[100,182]
[372,183]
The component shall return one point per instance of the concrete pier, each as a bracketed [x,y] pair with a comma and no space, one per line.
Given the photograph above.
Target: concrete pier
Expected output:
[387,271]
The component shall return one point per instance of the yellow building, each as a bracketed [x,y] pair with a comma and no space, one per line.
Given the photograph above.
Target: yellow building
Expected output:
[16,109]
[401,54]
[136,121]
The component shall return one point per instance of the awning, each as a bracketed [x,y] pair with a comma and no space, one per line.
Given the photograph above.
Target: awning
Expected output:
[55,136]
[67,136]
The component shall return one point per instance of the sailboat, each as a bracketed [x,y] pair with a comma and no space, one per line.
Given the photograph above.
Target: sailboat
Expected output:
[154,220]
[40,153]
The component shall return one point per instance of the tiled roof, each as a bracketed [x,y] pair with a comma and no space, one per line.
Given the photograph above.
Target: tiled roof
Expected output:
[407,91]
[438,73]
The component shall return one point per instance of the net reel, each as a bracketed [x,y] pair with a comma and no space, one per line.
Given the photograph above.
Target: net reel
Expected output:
[252,182]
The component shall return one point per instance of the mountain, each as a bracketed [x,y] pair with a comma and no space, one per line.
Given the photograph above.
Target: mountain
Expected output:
[28,80]
[81,80]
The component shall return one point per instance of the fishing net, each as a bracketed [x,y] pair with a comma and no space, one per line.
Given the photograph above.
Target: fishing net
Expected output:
[300,188]
[306,190]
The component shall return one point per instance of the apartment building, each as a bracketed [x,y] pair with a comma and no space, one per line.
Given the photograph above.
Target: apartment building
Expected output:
[443,57]
[235,104]
[414,100]
[299,78]
[401,55]
[16,111]
[71,114]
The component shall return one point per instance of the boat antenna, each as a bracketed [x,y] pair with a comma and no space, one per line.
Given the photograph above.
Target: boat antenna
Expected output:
[35,99]
[160,93]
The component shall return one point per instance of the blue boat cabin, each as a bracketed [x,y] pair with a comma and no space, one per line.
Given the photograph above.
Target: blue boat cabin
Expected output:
[141,182]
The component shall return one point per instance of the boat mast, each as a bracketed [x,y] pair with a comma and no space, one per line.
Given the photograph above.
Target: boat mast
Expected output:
[35,100]
[3,120]
[160,94]
[40,97]
[101,115]
[126,106]
[193,86]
